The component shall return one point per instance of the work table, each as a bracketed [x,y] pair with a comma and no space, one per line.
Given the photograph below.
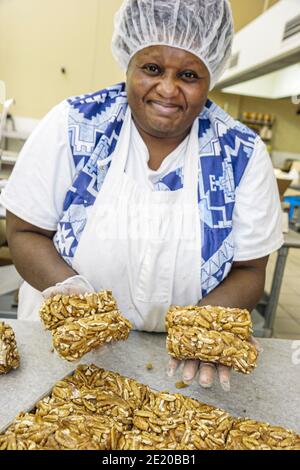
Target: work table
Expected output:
[271,393]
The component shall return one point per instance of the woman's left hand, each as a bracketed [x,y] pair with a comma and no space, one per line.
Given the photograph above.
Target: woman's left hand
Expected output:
[207,371]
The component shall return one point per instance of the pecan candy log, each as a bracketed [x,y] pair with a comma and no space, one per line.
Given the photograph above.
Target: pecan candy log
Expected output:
[247,434]
[80,323]
[57,309]
[77,337]
[212,334]
[102,410]
[174,422]
[9,356]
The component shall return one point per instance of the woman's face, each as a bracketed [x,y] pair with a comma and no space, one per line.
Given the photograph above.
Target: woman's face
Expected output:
[167,88]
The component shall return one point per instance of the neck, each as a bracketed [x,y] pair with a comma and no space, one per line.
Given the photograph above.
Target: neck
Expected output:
[159,148]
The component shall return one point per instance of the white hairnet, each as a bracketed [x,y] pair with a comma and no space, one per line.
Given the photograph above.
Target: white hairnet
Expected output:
[202,27]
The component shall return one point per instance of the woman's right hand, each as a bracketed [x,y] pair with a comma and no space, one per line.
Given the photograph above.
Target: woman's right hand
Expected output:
[72,285]
[207,371]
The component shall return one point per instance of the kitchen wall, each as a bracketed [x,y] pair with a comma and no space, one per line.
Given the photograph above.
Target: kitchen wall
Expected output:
[39,37]
[245,11]
[287,126]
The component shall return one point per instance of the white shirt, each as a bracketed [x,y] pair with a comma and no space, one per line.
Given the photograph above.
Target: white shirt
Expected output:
[45,171]
[137,164]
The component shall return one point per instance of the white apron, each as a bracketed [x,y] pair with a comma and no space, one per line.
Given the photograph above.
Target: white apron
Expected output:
[30,301]
[143,245]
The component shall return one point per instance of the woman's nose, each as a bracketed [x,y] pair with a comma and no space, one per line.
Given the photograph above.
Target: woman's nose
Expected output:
[167,87]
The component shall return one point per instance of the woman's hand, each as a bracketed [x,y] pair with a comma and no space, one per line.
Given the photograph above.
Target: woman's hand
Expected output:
[73,285]
[207,371]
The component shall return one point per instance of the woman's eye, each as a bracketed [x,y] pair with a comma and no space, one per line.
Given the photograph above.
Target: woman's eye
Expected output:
[152,68]
[189,75]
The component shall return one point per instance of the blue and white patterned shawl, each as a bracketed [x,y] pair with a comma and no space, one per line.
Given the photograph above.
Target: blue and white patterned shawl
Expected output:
[226,146]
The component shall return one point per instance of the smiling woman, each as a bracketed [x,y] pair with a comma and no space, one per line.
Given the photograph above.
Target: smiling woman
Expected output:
[148,188]
[167,89]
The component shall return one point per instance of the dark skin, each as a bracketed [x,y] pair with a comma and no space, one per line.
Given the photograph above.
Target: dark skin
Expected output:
[167,89]
[34,254]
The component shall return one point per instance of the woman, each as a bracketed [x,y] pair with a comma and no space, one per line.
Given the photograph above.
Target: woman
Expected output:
[148,189]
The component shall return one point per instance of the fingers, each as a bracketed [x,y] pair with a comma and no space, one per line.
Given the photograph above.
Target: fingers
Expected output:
[71,286]
[76,290]
[50,292]
[224,377]
[63,290]
[256,344]
[190,369]
[207,374]
[172,366]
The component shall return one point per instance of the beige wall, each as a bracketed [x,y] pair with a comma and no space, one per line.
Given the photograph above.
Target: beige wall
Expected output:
[230,103]
[38,37]
[245,11]
[287,126]
[106,71]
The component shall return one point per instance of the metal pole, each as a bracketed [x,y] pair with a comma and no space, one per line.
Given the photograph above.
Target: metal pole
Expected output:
[270,312]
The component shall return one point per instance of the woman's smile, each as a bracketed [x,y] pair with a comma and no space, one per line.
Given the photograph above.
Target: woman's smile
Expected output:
[167,89]
[164,109]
